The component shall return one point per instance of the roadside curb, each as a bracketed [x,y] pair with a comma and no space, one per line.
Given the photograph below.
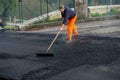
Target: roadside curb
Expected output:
[53,24]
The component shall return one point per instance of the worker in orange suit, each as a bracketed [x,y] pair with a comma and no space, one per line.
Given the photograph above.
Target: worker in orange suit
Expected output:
[70,16]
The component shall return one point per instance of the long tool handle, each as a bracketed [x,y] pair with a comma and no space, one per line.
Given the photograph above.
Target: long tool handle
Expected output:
[53,41]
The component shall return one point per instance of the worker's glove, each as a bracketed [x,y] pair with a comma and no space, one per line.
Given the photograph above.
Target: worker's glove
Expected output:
[61,28]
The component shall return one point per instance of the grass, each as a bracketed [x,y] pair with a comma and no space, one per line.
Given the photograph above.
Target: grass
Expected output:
[10,27]
[47,21]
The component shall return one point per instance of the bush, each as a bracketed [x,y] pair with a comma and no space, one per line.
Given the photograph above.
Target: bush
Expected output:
[46,20]
[10,27]
[95,15]
[114,11]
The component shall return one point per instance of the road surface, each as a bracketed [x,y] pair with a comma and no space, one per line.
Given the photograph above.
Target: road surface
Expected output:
[94,55]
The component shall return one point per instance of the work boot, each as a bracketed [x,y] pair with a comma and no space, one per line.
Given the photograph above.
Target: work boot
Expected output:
[69,37]
[68,41]
[76,36]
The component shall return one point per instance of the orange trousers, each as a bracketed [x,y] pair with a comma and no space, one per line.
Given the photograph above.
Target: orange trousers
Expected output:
[71,29]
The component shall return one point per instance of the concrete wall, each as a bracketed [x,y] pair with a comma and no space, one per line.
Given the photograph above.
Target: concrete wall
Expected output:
[102,9]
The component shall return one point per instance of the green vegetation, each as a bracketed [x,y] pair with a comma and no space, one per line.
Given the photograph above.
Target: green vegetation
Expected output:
[111,12]
[114,11]
[39,7]
[102,2]
[48,21]
[9,27]
[36,8]
[98,15]
[8,8]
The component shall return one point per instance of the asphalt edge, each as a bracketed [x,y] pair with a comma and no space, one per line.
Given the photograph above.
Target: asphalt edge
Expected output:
[34,27]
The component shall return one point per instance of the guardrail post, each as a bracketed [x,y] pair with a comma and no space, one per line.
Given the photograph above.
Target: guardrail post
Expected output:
[10,20]
[47,10]
[20,4]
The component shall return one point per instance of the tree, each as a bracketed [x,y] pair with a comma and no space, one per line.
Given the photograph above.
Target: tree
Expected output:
[8,8]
